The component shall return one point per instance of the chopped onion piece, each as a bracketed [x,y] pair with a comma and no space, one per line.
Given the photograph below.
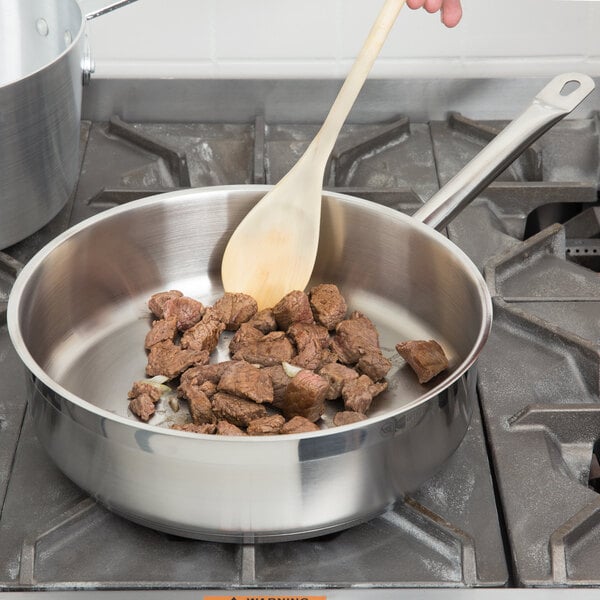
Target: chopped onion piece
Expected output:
[158,381]
[290,370]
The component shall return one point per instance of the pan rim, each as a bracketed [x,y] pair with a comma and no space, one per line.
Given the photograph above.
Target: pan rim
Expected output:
[24,276]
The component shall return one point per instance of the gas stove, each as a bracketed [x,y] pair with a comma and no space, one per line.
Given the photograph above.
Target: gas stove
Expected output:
[517,506]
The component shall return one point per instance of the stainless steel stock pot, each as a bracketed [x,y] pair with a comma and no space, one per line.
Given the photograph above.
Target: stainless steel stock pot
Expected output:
[43,60]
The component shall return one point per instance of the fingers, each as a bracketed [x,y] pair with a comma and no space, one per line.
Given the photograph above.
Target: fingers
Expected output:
[432,6]
[451,9]
[451,12]
[429,5]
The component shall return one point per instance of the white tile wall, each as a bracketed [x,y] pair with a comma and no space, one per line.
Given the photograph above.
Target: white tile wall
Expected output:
[319,38]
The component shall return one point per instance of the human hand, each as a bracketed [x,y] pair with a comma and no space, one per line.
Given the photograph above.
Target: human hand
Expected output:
[451,9]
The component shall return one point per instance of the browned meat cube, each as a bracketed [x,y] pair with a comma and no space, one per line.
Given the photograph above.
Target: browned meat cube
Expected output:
[354,337]
[266,426]
[144,387]
[199,403]
[374,364]
[157,301]
[246,381]
[238,411]
[358,393]
[227,428]
[162,329]
[209,388]
[202,373]
[336,375]
[293,308]
[205,334]
[298,425]
[280,381]
[305,396]
[328,305]
[426,358]
[271,349]
[142,406]
[346,417]
[167,359]
[193,428]
[185,310]
[246,334]
[312,342]
[235,309]
[264,320]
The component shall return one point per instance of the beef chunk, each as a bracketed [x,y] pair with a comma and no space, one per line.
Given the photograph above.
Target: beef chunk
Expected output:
[144,396]
[235,309]
[280,381]
[167,359]
[209,388]
[144,387]
[264,321]
[162,329]
[271,349]
[238,411]
[205,334]
[374,364]
[246,334]
[359,393]
[158,301]
[312,343]
[185,310]
[426,358]
[142,406]
[205,373]
[193,428]
[199,403]
[346,417]
[336,375]
[293,308]
[227,428]
[246,381]
[354,337]
[305,396]
[298,425]
[328,305]
[266,426]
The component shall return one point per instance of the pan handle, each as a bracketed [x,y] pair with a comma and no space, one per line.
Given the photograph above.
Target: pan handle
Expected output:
[94,8]
[564,93]
[90,9]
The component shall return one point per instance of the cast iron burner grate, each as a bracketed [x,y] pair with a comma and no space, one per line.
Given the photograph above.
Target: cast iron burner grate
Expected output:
[55,537]
[539,373]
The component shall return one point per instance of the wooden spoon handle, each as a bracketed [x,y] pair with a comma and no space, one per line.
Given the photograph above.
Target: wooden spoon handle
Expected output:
[326,137]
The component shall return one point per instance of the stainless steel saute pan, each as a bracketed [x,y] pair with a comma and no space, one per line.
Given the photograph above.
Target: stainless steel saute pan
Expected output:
[43,58]
[77,316]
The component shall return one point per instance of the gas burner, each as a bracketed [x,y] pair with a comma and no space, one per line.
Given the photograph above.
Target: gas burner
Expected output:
[516,505]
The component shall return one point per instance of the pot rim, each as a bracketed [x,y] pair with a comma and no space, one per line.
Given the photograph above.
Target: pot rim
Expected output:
[24,276]
[74,42]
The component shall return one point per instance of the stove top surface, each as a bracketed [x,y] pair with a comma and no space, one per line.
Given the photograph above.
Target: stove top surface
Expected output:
[515,506]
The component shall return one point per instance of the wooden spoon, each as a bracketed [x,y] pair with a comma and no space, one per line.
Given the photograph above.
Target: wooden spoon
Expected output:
[273,250]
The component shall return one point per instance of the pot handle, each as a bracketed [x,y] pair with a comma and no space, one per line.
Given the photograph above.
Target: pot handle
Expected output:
[94,8]
[564,93]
